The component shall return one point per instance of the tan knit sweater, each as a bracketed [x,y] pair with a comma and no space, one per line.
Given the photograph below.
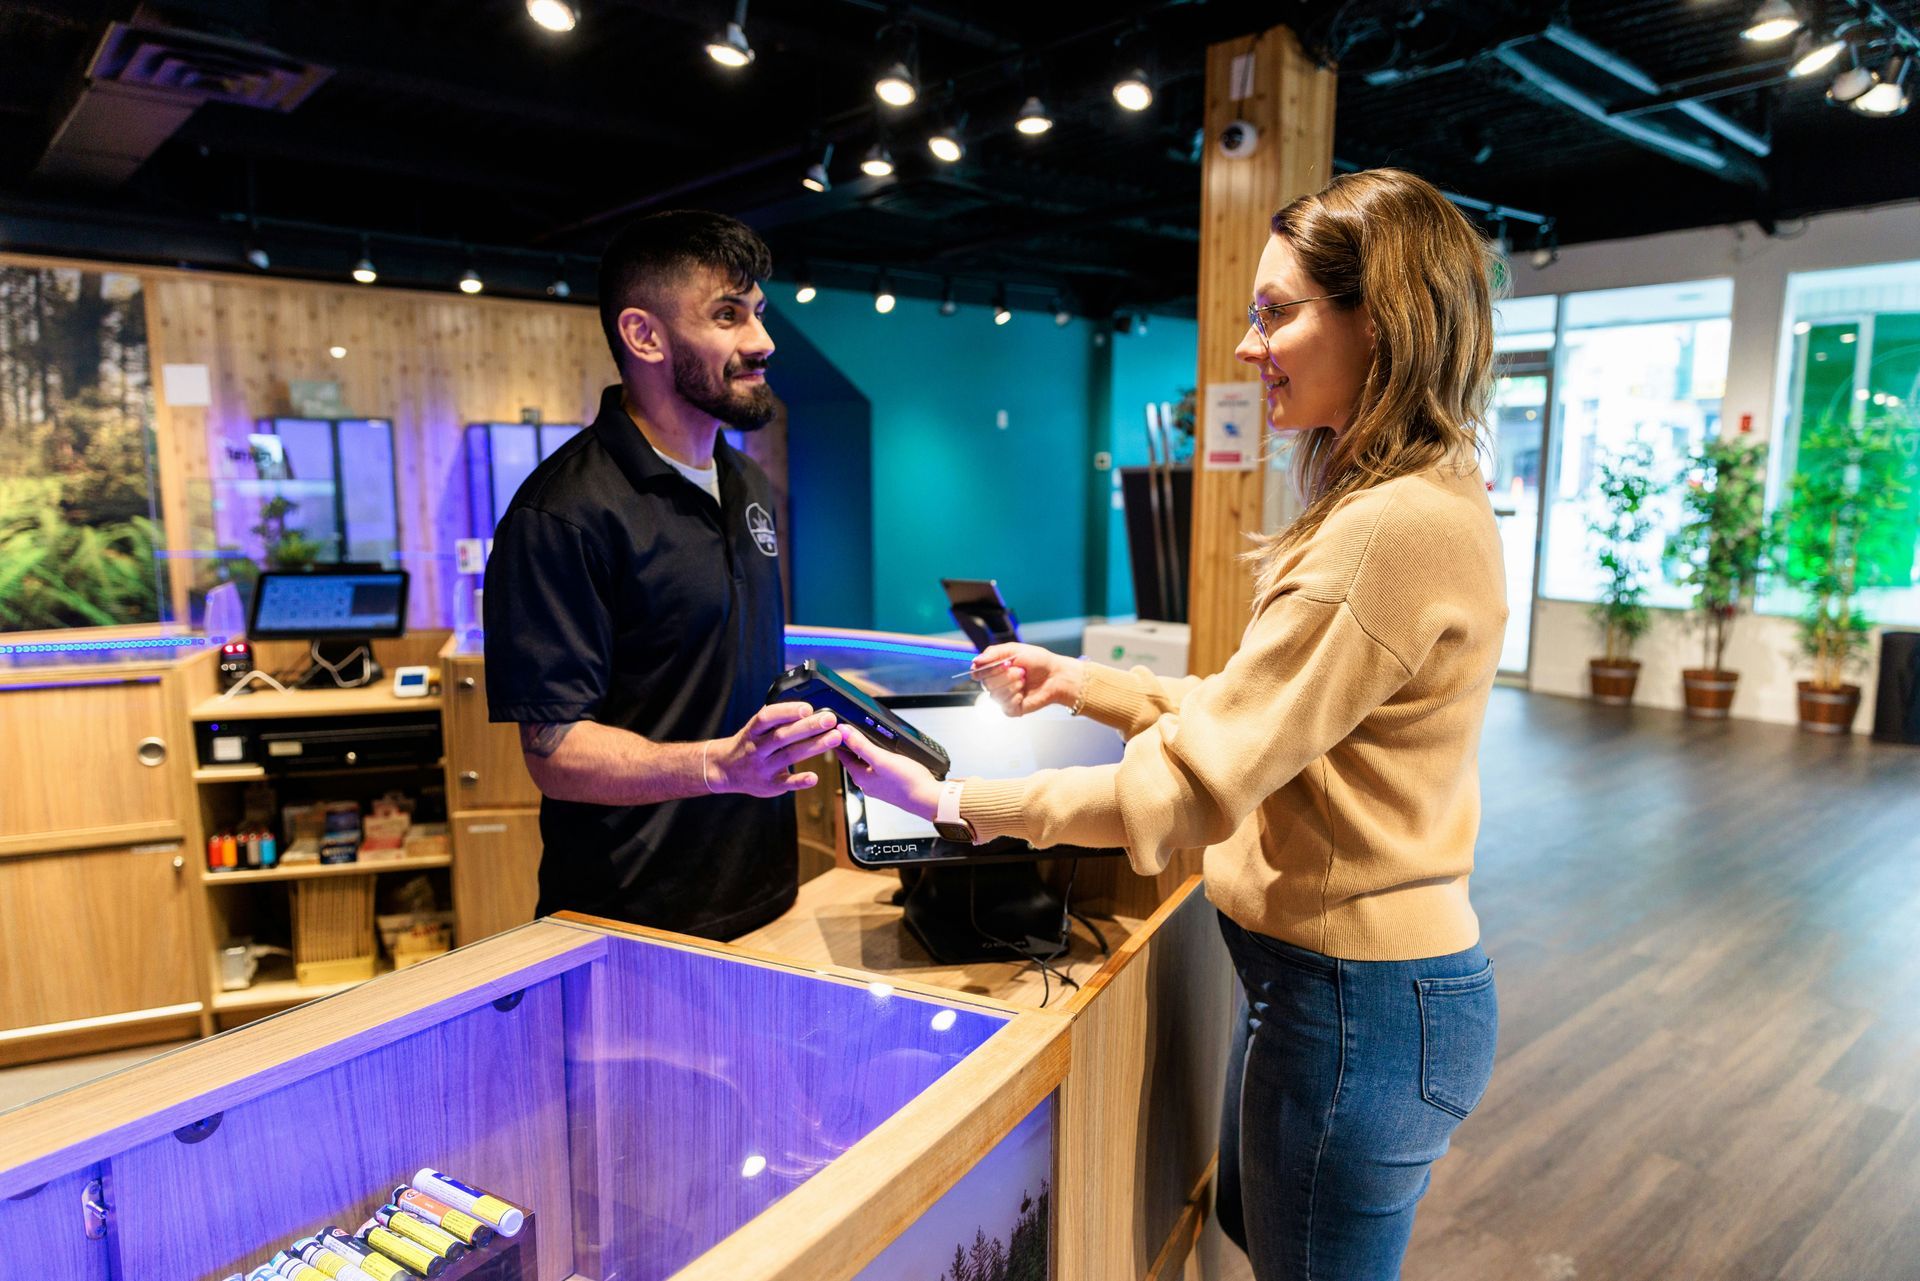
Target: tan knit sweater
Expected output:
[1330,769]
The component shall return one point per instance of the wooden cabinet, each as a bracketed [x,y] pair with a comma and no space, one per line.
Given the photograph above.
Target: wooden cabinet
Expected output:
[98,936]
[496,871]
[89,761]
[485,770]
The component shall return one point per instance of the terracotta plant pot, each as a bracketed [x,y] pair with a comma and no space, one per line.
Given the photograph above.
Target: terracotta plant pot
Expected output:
[1828,711]
[1613,681]
[1709,693]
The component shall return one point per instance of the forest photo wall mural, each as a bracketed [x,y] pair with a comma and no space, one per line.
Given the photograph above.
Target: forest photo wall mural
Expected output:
[77,521]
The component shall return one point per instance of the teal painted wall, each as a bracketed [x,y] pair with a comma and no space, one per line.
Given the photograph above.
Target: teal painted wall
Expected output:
[1156,366]
[953,494]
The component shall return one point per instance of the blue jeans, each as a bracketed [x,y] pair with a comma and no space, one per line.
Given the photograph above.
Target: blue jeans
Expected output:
[1344,1084]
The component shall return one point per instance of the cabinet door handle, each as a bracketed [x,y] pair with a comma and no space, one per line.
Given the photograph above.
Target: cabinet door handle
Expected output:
[470,777]
[466,682]
[179,861]
[151,752]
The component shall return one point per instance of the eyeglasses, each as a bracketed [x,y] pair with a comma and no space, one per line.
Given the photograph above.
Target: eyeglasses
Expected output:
[1278,311]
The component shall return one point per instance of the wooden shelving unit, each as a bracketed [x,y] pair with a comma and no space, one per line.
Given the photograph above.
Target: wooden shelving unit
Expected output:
[303,871]
[276,989]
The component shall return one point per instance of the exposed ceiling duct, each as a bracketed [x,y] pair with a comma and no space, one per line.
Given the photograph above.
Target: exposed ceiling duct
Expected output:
[141,85]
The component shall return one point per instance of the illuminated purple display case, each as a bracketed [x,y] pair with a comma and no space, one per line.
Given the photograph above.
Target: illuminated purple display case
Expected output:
[644,1100]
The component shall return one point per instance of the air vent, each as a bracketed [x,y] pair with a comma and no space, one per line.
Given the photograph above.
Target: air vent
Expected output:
[145,81]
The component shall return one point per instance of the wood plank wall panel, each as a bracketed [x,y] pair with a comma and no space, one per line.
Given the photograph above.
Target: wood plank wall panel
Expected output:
[1139,1110]
[482,1096]
[432,363]
[1292,104]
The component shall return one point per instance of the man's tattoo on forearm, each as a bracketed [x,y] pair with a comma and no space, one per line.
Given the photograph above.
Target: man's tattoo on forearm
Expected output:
[542,738]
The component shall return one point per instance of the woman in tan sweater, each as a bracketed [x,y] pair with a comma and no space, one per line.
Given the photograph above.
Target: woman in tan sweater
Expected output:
[1329,769]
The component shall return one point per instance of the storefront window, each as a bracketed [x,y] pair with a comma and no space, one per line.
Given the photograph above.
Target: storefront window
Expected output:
[1644,364]
[1851,354]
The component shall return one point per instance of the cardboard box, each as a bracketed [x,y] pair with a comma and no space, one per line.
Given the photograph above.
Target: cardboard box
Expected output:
[1161,648]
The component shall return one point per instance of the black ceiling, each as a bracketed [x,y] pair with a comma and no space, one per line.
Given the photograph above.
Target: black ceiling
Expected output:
[441,124]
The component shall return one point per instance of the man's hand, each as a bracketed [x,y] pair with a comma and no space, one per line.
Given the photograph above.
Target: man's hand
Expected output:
[755,760]
[888,776]
[1036,678]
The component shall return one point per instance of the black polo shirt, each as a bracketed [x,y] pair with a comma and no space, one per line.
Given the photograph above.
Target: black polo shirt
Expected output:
[619,592]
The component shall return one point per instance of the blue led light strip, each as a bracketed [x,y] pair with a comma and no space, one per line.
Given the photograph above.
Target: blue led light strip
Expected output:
[876,647]
[101,646]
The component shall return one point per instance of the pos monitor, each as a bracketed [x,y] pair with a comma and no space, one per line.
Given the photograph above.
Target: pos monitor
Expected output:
[338,612]
[978,902]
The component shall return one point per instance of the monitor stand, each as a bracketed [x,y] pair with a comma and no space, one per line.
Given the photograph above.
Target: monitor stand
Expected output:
[345,664]
[987,912]
[986,624]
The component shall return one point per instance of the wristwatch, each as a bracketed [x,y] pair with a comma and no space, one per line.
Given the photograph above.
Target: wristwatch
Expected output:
[946,817]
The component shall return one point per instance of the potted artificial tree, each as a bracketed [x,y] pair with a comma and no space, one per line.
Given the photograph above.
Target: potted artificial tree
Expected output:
[1840,533]
[1626,486]
[1717,554]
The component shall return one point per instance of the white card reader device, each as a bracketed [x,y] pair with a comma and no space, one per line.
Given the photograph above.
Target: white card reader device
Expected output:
[410,682]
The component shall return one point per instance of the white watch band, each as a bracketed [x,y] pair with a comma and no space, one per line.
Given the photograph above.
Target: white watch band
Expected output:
[947,812]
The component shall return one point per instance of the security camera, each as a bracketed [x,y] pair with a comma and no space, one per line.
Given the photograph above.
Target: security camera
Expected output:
[1238,139]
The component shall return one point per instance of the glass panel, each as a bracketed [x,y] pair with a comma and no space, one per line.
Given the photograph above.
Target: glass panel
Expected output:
[1633,364]
[367,480]
[554,435]
[516,452]
[1524,324]
[994,1224]
[1519,436]
[1852,355]
[295,461]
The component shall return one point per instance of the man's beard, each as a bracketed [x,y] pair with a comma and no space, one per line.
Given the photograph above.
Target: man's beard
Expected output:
[741,408]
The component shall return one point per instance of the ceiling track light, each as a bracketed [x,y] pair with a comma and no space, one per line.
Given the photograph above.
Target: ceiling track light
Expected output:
[1133,91]
[730,47]
[883,299]
[1889,97]
[878,162]
[1812,54]
[948,306]
[470,282]
[805,292]
[947,143]
[257,255]
[363,271]
[558,287]
[1773,20]
[1546,245]
[815,178]
[1061,316]
[897,83]
[1033,119]
[554,15]
[1850,85]
[1001,315]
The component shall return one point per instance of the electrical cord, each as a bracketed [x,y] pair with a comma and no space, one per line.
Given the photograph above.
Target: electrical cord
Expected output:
[241,684]
[1039,960]
[333,670]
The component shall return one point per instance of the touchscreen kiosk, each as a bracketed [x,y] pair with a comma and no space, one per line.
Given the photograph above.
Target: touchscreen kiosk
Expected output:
[979,902]
[338,613]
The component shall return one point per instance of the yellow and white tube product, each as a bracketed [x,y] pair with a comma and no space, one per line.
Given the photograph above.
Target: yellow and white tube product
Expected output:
[334,1265]
[414,1228]
[417,1257]
[362,1256]
[294,1269]
[506,1219]
[443,1216]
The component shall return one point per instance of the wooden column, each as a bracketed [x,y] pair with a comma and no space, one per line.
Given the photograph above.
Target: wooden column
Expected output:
[1292,105]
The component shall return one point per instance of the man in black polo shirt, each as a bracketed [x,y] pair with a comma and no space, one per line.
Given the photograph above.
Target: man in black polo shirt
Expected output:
[633,610]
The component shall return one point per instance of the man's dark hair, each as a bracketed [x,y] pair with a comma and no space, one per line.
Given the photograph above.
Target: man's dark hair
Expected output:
[654,253]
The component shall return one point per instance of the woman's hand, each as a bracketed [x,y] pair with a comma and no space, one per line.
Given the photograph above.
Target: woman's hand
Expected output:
[1036,678]
[888,776]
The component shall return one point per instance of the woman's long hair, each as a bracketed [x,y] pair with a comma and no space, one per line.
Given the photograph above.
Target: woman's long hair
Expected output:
[1391,240]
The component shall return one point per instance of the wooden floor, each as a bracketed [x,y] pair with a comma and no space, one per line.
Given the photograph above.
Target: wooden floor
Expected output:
[1707,938]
